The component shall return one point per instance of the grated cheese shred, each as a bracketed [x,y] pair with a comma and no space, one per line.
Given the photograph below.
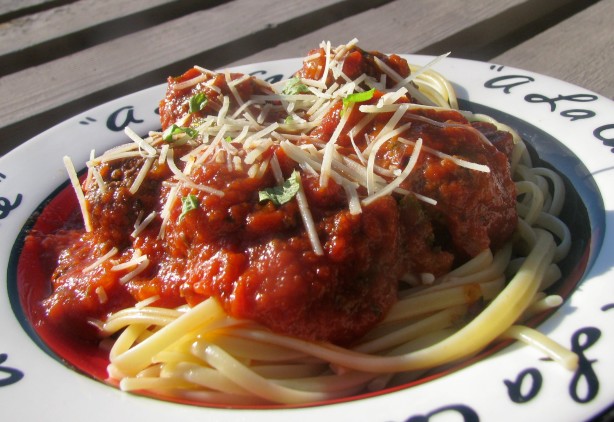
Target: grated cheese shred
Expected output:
[307,218]
[74,180]
[112,252]
[102,295]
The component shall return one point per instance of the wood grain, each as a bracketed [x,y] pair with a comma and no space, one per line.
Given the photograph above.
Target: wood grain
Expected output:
[62,57]
[579,50]
[70,78]
[10,6]
[400,27]
[36,28]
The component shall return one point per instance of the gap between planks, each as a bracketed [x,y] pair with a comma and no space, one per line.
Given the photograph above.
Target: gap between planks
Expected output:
[42,37]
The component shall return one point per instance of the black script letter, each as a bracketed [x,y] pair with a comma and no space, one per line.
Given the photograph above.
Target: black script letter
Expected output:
[6,206]
[508,82]
[514,388]
[599,134]
[14,375]
[122,118]
[585,370]
[467,413]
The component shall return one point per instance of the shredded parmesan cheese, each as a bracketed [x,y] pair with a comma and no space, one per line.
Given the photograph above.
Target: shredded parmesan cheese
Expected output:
[101,260]
[74,180]
[102,295]
[141,176]
[397,182]
[413,75]
[142,266]
[307,218]
[150,151]
[330,147]
[142,225]
[136,260]
[192,82]
[146,302]
[99,181]
[244,135]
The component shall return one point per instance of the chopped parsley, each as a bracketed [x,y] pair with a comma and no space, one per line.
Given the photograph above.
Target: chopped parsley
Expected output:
[188,203]
[173,130]
[294,86]
[198,102]
[279,195]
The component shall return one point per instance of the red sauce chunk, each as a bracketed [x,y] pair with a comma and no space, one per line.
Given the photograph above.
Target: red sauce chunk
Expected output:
[195,227]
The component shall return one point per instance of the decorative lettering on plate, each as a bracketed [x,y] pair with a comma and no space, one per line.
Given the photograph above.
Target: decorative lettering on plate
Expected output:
[577,114]
[607,307]
[600,134]
[506,83]
[573,114]
[122,118]
[509,82]
[87,121]
[584,384]
[539,98]
[465,412]
[6,206]
[270,79]
[8,375]
[517,389]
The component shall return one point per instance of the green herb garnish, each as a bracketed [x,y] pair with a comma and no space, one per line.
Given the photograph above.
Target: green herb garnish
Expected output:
[173,130]
[358,97]
[188,203]
[294,86]
[281,194]
[198,102]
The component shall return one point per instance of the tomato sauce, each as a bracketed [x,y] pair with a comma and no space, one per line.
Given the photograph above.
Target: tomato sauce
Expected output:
[254,256]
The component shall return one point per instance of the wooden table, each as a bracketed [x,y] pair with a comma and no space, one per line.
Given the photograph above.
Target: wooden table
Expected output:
[59,58]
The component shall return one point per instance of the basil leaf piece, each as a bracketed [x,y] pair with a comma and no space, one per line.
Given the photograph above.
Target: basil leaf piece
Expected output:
[198,102]
[358,97]
[188,203]
[279,195]
[170,131]
[294,86]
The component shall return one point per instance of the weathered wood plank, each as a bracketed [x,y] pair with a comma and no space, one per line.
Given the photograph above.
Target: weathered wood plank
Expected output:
[400,27]
[228,34]
[39,38]
[10,6]
[409,27]
[70,78]
[556,52]
[36,28]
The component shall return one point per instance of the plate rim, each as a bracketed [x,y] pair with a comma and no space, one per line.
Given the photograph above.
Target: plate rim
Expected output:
[23,149]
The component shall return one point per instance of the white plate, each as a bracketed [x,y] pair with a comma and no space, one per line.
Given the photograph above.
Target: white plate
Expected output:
[514,384]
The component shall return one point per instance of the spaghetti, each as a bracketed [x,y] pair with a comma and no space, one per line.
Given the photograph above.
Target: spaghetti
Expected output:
[352,144]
